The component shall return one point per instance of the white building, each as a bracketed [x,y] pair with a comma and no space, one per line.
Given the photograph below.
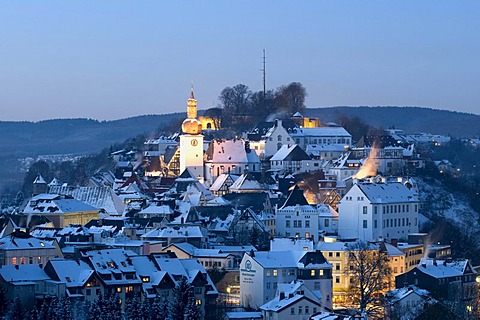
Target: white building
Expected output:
[297,218]
[191,141]
[272,141]
[261,273]
[292,159]
[293,301]
[321,136]
[230,157]
[373,211]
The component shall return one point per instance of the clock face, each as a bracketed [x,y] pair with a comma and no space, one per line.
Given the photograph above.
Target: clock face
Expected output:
[194,142]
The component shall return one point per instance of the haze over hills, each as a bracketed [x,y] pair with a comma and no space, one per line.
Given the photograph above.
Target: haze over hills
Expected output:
[409,119]
[83,136]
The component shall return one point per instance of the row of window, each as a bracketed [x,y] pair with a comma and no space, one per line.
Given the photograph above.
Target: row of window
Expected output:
[290,272]
[301,308]
[31,260]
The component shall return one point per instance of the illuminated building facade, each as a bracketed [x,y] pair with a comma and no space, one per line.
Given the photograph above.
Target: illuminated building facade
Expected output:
[191,141]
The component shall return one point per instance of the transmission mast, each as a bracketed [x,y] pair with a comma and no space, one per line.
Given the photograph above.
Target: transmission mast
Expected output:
[264,76]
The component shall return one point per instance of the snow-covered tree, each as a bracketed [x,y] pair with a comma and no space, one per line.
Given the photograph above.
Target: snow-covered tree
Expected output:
[16,311]
[134,308]
[181,304]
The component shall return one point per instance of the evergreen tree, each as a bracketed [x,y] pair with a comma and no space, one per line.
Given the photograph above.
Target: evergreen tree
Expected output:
[180,298]
[134,308]
[192,311]
[3,302]
[16,310]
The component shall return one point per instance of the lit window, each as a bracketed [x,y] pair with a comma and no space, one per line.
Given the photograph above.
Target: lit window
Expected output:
[119,289]
[14,260]
[312,273]
[198,302]
[42,244]
[275,272]
[129,289]
[22,260]
[145,279]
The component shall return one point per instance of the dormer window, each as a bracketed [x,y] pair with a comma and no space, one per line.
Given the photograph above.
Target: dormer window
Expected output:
[145,279]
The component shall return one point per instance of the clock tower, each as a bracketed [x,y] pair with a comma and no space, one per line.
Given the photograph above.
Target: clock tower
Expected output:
[191,141]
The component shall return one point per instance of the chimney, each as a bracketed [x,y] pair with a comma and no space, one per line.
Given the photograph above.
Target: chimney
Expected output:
[394,242]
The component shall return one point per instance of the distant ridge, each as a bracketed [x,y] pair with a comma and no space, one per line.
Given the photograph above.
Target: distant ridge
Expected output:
[75,136]
[409,119]
[84,136]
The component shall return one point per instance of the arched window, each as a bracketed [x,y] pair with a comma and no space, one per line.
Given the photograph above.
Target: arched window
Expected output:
[279,138]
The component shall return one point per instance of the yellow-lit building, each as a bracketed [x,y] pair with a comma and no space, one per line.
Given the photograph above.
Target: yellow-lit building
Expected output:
[304,122]
[209,123]
[191,141]
[61,210]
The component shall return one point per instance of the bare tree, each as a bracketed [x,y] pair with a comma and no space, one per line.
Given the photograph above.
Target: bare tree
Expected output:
[291,98]
[369,274]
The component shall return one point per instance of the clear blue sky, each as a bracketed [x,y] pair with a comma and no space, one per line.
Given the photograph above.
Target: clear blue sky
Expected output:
[116,59]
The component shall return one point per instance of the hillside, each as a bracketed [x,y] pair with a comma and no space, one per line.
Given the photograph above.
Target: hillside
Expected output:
[75,136]
[83,136]
[410,119]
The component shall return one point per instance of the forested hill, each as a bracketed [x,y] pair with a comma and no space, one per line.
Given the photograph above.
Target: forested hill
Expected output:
[76,136]
[409,119]
[80,136]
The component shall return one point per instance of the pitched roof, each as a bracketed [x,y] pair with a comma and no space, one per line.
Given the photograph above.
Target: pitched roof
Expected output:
[23,272]
[295,197]
[392,192]
[290,153]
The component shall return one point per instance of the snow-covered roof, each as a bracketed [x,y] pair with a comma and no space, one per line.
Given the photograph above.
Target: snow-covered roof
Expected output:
[290,153]
[443,268]
[175,232]
[54,204]
[73,273]
[23,243]
[330,316]
[199,252]
[23,273]
[231,151]
[398,294]
[154,209]
[393,192]
[221,180]
[321,132]
[246,183]
[100,197]
[243,315]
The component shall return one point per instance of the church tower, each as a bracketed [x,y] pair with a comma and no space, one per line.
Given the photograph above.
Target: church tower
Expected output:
[191,141]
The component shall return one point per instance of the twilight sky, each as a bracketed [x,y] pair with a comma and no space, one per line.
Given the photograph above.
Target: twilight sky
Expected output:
[113,59]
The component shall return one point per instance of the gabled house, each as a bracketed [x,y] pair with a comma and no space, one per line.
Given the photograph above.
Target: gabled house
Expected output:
[211,259]
[114,271]
[18,248]
[205,291]
[297,218]
[28,282]
[375,211]
[60,210]
[267,144]
[230,157]
[292,159]
[446,280]
[262,272]
[292,301]
[155,283]
[80,281]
